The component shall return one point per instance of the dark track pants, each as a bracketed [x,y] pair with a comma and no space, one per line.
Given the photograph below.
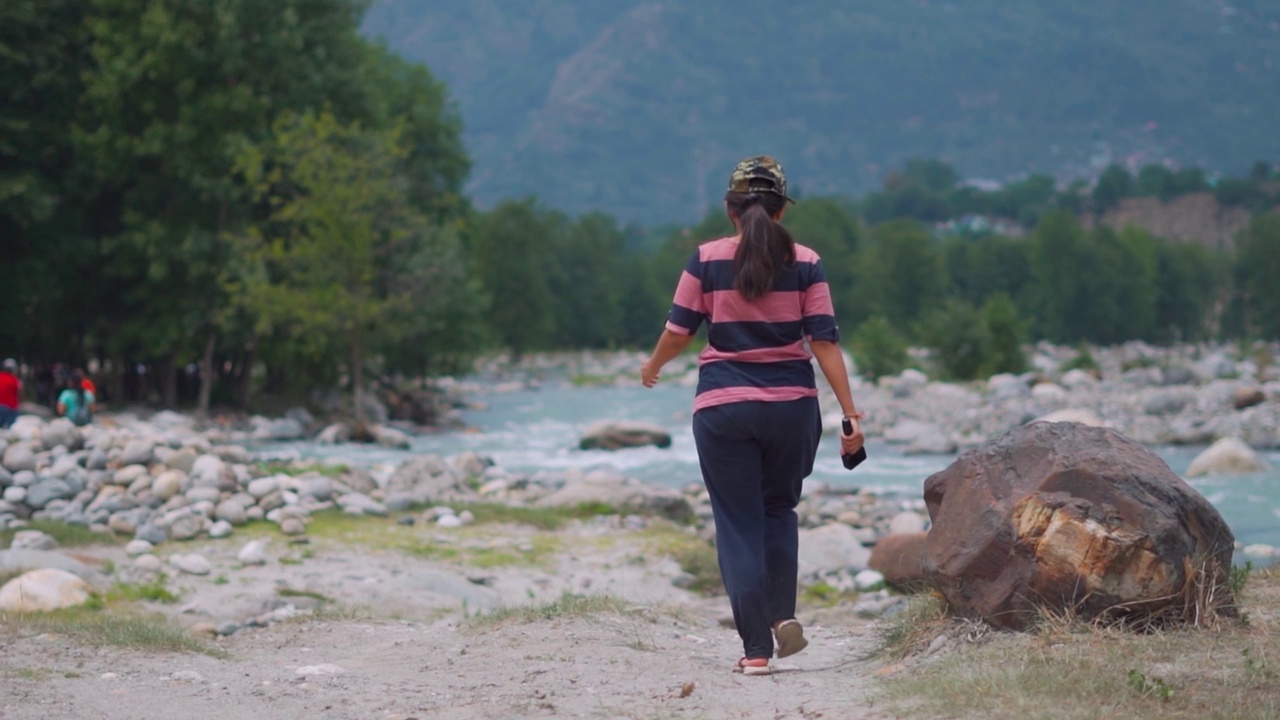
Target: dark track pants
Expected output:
[755,457]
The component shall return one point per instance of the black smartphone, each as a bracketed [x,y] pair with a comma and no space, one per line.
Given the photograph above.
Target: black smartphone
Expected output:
[854,460]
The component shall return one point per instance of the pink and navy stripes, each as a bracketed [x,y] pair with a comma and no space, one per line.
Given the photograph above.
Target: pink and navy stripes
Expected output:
[755,349]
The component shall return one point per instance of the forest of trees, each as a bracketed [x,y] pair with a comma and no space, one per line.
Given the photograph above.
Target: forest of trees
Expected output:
[254,190]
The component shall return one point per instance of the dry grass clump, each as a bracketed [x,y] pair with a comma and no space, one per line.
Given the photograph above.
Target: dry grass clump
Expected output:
[99,627]
[1067,668]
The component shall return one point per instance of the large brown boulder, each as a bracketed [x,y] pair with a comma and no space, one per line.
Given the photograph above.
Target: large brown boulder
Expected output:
[897,558]
[1074,519]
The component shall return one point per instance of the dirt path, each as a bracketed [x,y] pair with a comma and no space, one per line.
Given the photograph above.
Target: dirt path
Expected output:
[400,644]
[602,666]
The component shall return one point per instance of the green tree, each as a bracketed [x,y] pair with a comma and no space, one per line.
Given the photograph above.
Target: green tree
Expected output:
[959,338]
[1257,272]
[583,273]
[1189,279]
[1058,248]
[509,246]
[326,266]
[1114,185]
[901,274]
[1156,181]
[878,349]
[1005,334]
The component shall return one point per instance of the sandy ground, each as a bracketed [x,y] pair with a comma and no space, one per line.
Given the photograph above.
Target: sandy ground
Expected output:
[401,644]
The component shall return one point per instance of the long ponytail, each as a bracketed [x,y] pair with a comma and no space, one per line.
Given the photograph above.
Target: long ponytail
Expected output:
[765,248]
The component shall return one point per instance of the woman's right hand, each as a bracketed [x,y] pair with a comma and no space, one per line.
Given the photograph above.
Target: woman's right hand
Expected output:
[852,443]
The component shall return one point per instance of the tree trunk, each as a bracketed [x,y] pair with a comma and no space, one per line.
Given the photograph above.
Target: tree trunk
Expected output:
[357,378]
[245,392]
[207,374]
[169,382]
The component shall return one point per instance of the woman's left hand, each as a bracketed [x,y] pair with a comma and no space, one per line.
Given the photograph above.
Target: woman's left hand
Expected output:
[649,373]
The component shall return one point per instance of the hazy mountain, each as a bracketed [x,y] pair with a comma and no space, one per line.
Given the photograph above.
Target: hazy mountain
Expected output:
[641,108]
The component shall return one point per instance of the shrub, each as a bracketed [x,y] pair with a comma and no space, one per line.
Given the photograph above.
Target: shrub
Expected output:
[879,349]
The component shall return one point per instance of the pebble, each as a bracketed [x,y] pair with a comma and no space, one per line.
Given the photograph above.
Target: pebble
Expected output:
[228,628]
[135,548]
[192,564]
[449,521]
[220,529]
[322,669]
[148,563]
[254,552]
[868,580]
[189,676]
[292,526]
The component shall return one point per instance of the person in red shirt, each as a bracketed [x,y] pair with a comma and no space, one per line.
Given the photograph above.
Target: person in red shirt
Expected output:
[10,392]
[86,384]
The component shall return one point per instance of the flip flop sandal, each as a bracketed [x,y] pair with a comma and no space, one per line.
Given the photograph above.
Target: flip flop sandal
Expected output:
[790,637]
[753,666]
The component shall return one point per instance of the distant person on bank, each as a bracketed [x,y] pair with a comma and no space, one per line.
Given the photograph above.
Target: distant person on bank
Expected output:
[756,420]
[74,402]
[10,392]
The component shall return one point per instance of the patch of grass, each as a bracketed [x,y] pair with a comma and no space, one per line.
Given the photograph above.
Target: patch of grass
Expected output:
[277,467]
[912,628]
[154,591]
[290,592]
[489,556]
[98,627]
[1217,671]
[696,556]
[567,606]
[25,673]
[66,535]
[823,594]
[551,518]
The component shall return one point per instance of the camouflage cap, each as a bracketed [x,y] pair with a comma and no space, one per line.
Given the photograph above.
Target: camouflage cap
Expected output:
[759,174]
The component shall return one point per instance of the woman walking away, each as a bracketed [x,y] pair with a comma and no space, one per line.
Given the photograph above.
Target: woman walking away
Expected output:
[756,420]
[75,403]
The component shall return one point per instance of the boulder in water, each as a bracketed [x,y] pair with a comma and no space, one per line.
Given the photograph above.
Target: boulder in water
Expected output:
[1228,456]
[616,435]
[1072,518]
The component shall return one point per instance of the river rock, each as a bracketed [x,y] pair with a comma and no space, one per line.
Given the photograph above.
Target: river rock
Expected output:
[182,460]
[934,442]
[1007,386]
[278,429]
[427,479]
[192,564]
[1067,516]
[605,487]
[140,451]
[33,540]
[43,590]
[1078,416]
[390,437]
[292,526]
[148,563]
[1228,456]
[19,457]
[831,548]
[11,560]
[254,552]
[186,527]
[361,504]
[334,434]
[1049,393]
[220,529]
[1247,397]
[316,487]
[14,494]
[262,487]
[231,512]
[897,558]
[213,471]
[232,454]
[134,548]
[46,491]
[1168,401]
[168,483]
[470,464]
[907,522]
[616,435]
[62,431]
[1078,380]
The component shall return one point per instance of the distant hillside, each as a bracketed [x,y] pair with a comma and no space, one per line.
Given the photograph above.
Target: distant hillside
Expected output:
[640,108]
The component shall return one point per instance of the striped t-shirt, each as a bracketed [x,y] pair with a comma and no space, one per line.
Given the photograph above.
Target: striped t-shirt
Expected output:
[755,348]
